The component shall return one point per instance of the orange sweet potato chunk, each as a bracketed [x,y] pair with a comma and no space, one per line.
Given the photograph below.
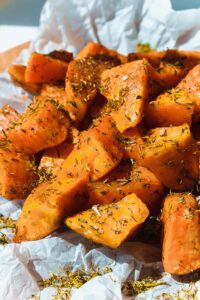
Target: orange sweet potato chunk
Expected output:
[17,74]
[127,88]
[59,94]
[62,55]
[44,69]
[43,125]
[196,131]
[170,74]
[82,82]
[181,241]
[97,153]
[91,49]
[132,141]
[56,93]
[110,224]
[17,177]
[7,116]
[171,65]
[181,58]
[54,157]
[171,153]
[173,107]
[46,207]
[123,180]
[191,84]
[154,57]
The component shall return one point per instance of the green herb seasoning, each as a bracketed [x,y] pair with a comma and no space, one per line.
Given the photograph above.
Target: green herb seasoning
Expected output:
[3,239]
[44,174]
[188,293]
[131,287]
[7,223]
[64,281]
[143,47]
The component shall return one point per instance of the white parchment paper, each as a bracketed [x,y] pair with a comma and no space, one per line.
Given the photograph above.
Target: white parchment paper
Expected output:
[117,24]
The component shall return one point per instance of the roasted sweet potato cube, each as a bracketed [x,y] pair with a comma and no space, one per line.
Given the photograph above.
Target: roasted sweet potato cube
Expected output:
[126,179]
[110,224]
[126,88]
[44,69]
[195,129]
[181,241]
[17,74]
[184,59]
[43,125]
[53,158]
[97,153]
[58,94]
[8,116]
[154,57]
[172,155]
[191,85]
[170,74]
[17,176]
[132,141]
[82,82]
[46,207]
[173,107]
[62,55]
[91,49]
[171,65]
[98,107]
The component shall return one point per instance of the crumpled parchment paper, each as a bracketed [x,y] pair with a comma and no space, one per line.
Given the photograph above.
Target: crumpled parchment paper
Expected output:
[69,25]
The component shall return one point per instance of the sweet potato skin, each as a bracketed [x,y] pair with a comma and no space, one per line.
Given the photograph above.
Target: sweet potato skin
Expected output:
[17,74]
[44,69]
[181,242]
[174,107]
[46,207]
[172,155]
[123,180]
[43,125]
[97,153]
[110,224]
[62,55]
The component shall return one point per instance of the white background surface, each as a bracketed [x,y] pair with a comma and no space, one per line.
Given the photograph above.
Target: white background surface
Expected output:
[11,36]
